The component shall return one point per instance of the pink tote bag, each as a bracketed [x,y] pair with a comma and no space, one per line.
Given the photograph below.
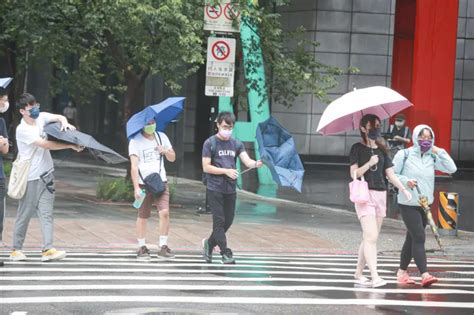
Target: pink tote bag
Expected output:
[359,190]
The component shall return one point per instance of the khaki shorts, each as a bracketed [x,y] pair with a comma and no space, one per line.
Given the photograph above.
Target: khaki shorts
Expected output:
[162,202]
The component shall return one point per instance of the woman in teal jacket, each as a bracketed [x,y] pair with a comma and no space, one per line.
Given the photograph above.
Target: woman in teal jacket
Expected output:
[416,166]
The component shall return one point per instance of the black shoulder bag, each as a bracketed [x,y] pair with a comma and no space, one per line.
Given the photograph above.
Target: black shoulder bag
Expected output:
[153,182]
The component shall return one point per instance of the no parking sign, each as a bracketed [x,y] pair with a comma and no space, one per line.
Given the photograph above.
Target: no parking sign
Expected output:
[220,67]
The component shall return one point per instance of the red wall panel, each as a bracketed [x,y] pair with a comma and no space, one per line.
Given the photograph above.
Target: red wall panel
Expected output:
[424,59]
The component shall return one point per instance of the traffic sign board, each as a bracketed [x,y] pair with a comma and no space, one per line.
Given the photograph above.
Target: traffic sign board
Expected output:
[231,12]
[220,50]
[213,12]
[220,66]
[222,17]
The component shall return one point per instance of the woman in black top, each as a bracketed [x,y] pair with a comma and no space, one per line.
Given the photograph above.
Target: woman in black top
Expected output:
[369,159]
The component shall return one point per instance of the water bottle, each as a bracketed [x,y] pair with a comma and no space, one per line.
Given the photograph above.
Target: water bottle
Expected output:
[138,202]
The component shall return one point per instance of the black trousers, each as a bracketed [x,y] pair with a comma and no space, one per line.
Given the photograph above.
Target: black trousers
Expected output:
[2,205]
[414,246]
[223,209]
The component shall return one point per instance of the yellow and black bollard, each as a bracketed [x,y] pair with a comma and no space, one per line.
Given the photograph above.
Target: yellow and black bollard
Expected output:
[448,213]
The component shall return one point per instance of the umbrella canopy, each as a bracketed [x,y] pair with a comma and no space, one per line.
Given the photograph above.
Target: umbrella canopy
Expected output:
[278,152]
[95,148]
[344,113]
[4,82]
[163,113]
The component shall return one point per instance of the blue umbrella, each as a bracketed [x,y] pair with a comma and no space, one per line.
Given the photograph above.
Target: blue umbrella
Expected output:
[163,113]
[278,152]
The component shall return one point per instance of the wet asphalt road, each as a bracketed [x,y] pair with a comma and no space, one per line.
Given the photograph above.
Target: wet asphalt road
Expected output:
[328,185]
[113,282]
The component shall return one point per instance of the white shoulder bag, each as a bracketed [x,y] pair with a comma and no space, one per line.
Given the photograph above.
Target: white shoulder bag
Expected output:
[19,177]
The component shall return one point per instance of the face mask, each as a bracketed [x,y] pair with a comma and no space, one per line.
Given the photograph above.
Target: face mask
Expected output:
[34,112]
[425,145]
[149,129]
[399,123]
[374,134]
[5,107]
[225,133]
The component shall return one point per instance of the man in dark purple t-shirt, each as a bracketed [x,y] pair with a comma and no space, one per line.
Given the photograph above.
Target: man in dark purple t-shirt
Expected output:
[219,155]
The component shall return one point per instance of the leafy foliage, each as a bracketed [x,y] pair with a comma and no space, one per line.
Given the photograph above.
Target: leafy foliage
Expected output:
[89,41]
[115,189]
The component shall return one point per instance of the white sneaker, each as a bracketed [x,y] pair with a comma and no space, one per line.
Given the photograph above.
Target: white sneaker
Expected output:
[17,255]
[53,254]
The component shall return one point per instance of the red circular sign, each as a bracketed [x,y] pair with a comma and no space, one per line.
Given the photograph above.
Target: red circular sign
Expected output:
[213,12]
[220,50]
[231,12]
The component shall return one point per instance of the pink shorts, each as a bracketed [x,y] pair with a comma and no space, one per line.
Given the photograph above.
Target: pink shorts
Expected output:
[377,205]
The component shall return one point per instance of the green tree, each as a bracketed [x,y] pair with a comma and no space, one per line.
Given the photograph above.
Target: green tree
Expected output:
[133,39]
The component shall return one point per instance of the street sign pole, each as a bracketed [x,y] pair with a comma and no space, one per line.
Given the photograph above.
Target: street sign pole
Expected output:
[258,102]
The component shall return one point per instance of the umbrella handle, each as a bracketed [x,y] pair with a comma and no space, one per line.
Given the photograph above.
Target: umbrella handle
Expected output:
[249,169]
[418,189]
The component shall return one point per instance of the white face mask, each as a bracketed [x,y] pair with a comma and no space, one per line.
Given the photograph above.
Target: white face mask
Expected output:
[225,133]
[5,106]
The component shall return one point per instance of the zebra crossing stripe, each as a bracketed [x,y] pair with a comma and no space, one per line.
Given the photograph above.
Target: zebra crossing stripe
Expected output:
[229,300]
[169,264]
[162,270]
[442,282]
[249,256]
[286,263]
[181,287]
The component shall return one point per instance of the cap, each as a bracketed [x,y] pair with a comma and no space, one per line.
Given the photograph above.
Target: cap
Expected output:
[400,117]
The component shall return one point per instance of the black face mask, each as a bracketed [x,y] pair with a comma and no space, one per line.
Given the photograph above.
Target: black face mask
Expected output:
[374,134]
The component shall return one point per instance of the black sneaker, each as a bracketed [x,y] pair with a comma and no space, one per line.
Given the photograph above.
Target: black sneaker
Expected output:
[227,257]
[143,253]
[165,253]
[206,251]
[203,210]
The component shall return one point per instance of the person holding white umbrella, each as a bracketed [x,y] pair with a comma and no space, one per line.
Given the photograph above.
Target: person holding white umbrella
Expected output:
[363,109]
[369,158]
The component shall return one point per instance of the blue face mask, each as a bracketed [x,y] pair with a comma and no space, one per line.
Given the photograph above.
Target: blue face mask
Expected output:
[34,112]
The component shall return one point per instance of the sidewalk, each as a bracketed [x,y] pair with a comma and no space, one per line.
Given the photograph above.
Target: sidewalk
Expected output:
[261,224]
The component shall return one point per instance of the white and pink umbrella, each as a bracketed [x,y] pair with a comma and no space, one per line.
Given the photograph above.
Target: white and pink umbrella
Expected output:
[344,113]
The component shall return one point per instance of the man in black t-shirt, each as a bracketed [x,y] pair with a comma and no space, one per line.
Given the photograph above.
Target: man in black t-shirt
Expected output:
[398,135]
[219,154]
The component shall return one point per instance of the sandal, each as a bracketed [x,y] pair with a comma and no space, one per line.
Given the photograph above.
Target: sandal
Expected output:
[363,280]
[379,282]
[427,281]
[405,279]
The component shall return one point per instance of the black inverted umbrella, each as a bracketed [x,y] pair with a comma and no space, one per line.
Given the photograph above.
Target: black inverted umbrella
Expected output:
[97,149]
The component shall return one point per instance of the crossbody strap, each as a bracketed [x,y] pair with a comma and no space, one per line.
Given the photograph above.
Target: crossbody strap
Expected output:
[161,157]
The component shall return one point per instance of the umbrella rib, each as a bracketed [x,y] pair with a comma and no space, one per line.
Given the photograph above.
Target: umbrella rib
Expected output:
[388,114]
